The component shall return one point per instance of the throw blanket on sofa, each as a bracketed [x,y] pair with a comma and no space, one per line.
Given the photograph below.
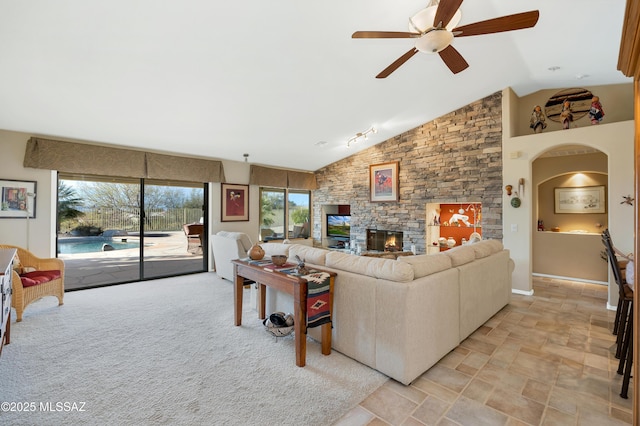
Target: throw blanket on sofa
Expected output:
[318,296]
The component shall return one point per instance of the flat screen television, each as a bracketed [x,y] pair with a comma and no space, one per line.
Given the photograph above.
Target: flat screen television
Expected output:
[338,225]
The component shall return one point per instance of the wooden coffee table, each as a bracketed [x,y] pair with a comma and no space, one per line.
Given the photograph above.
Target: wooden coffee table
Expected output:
[291,284]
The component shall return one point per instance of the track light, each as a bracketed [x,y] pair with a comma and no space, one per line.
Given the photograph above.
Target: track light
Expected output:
[359,135]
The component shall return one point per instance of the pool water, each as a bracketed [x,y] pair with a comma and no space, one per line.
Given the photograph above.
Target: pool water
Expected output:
[74,246]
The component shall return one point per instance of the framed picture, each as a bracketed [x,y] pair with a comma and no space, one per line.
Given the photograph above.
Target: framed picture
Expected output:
[582,199]
[17,199]
[235,202]
[383,182]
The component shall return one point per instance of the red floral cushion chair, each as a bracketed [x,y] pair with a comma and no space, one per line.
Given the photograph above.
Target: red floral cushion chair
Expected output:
[35,278]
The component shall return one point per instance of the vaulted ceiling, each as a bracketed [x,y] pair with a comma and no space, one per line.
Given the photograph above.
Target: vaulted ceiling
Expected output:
[280,80]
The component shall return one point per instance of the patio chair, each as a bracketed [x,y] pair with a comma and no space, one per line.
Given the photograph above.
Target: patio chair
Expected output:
[35,278]
[194,233]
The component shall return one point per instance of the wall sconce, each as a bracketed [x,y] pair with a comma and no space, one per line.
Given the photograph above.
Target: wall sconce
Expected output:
[359,135]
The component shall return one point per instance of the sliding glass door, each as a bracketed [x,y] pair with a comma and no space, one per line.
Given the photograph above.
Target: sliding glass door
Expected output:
[174,240]
[116,230]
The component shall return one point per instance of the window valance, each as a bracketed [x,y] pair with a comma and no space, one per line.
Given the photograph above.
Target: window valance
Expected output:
[281,178]
[71,157]
[161,166]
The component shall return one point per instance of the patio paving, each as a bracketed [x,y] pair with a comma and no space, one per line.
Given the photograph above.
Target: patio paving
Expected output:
[165,254]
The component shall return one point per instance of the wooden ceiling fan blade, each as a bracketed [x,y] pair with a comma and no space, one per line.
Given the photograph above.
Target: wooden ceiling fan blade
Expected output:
[384,34]
[446,10]
[518,21]
[453,59]
[396,64]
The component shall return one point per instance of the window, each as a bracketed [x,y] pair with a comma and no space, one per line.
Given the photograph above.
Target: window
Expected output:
[280,219]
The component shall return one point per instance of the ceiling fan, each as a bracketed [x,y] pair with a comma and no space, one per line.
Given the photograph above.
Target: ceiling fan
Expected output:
[434,27]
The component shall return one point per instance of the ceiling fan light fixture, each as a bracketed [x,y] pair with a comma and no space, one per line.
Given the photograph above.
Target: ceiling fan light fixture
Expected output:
[434,41]
[423,20]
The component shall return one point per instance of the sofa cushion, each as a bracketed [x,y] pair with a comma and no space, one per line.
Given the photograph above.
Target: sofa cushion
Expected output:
[275,248]
[427,264]
[461,255]
[313,255]
[38,277]
[386,269]
[486,248]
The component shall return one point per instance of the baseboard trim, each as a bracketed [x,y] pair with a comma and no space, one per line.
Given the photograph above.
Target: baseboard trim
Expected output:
[525,293]
[581,280]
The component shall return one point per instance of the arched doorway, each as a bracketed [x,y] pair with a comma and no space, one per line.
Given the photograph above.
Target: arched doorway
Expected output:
[569,206]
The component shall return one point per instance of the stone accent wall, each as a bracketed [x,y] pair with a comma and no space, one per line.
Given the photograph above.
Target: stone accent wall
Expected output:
[455,158]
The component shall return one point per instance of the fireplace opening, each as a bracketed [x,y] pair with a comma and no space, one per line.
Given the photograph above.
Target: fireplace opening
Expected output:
[380,240]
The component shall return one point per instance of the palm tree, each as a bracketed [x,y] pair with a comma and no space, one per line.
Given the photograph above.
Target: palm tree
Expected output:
[68,201]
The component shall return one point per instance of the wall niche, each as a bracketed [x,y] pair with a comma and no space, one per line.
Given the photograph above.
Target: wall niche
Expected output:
[458,221]
[569,244]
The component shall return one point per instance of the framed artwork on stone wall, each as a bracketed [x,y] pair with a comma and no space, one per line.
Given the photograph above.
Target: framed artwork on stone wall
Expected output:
[383,182]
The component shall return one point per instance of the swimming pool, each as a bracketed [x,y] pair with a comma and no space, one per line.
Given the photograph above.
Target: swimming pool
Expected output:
[93,244]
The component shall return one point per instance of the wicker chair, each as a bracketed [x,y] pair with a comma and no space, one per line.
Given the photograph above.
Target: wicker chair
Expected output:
[24,295]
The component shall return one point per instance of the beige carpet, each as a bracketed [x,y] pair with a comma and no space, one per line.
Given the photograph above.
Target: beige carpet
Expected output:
[167,352]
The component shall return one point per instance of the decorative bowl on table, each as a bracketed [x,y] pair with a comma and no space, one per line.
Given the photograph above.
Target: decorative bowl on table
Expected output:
[279,259]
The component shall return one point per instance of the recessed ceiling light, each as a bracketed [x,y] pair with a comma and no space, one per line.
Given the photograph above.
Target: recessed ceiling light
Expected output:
[581,76]
[554,68]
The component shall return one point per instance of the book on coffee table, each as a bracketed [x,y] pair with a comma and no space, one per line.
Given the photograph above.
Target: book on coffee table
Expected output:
[272,267]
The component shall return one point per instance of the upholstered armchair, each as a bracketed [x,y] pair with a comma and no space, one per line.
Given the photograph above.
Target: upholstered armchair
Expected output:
[228,246]
[34,278]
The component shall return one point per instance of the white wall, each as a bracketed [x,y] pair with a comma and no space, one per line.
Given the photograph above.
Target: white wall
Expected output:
[615,139]
[236,172]
[14,231]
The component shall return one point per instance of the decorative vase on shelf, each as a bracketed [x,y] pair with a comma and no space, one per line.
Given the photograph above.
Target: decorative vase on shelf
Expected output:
[451,242]
[256,252]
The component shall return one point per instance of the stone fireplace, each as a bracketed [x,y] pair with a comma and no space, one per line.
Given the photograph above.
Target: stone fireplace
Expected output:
[381,240]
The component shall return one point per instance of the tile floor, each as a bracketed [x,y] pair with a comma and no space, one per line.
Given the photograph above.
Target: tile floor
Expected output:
[546,359]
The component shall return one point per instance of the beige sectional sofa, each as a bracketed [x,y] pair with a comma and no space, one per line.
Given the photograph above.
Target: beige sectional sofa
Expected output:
[401,316]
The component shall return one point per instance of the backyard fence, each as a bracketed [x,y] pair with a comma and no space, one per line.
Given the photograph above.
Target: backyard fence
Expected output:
[129,219]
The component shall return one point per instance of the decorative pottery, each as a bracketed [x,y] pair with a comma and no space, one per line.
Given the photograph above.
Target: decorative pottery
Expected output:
[451,242]
[442,242]
[256,252]
[475,237]
[278,259]
[515,202]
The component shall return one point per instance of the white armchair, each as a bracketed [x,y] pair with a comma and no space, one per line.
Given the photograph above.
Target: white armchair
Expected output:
[228,246]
